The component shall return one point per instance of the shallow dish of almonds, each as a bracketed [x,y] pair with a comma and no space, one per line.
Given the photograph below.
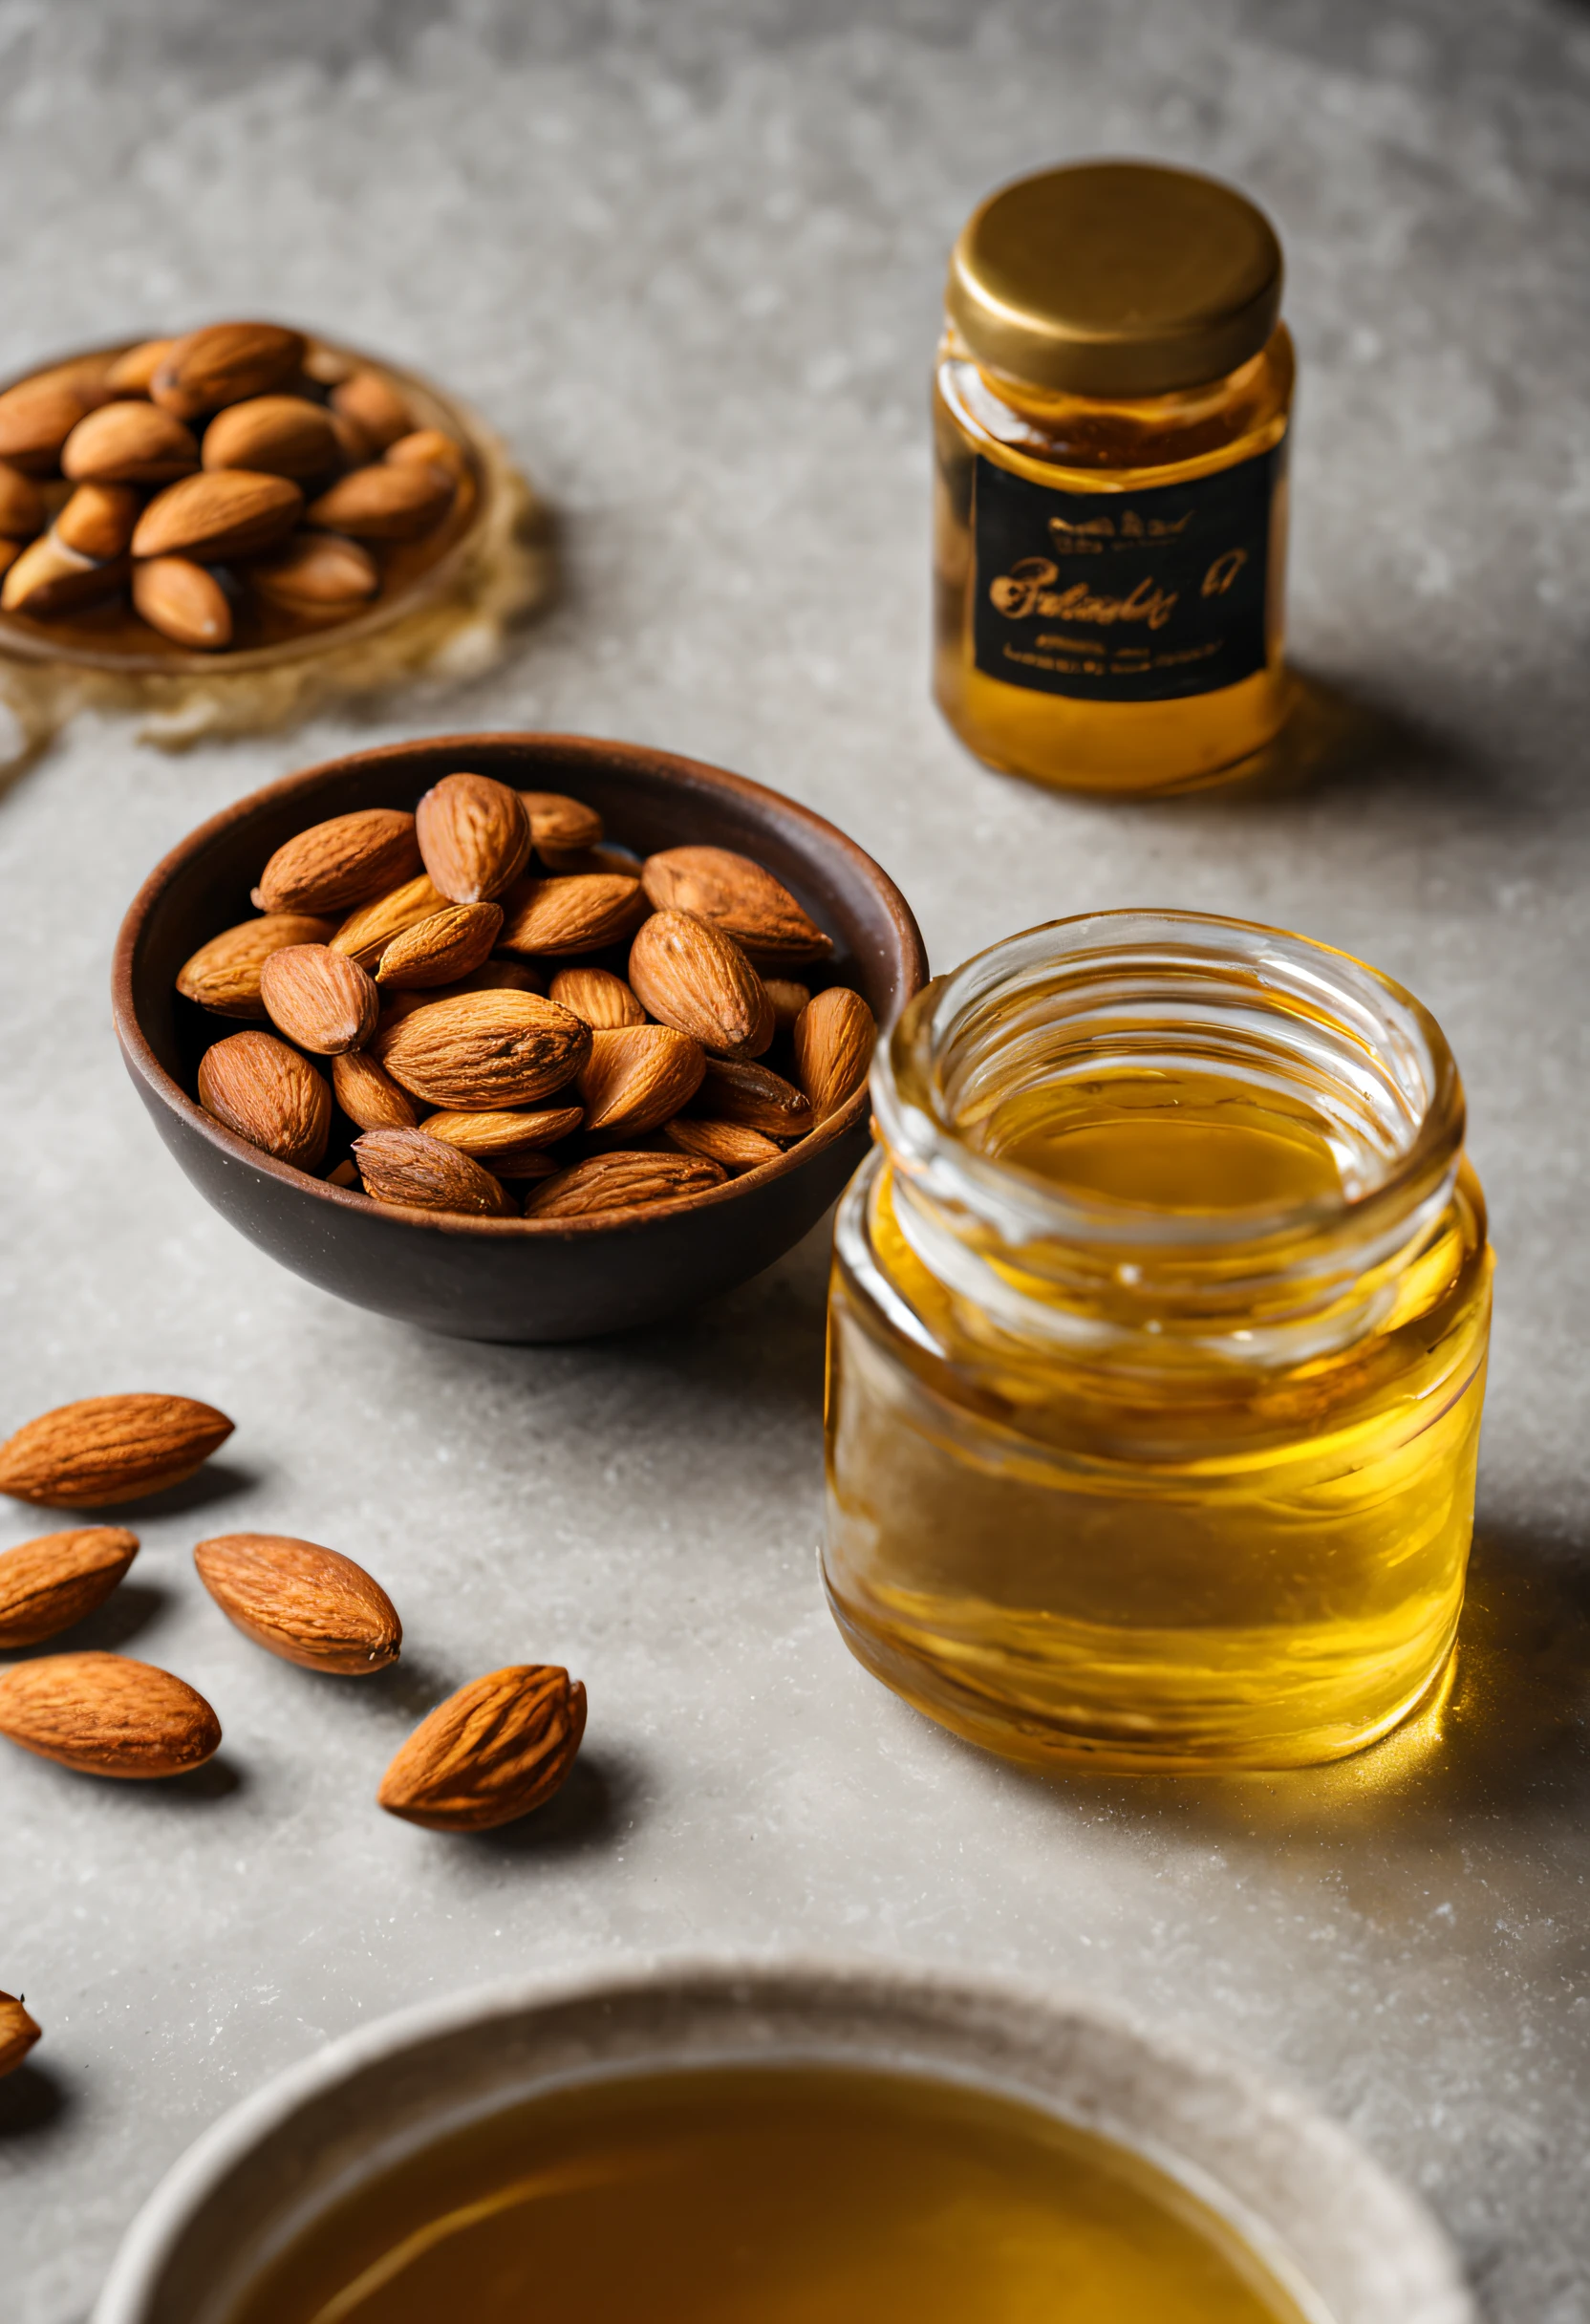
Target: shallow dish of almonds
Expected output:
[520,1037]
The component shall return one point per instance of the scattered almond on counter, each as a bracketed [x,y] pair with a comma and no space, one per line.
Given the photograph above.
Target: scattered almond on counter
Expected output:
[105,1714]
[47,1584]
[310,1606]
[490,1753]
[18,2033]
[110,1449]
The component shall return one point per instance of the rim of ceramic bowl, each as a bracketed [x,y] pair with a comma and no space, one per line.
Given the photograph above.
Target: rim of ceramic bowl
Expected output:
[909,961]
[1009,2031]
[32,644]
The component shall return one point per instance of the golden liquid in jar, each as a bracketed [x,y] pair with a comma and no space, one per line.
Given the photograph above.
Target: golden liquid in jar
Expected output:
[757,2195]
[1203,1565]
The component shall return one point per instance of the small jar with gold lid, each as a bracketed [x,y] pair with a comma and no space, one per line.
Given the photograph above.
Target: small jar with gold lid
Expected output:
[1111,406]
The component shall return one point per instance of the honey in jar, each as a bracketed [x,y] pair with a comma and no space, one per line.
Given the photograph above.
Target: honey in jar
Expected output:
[1112,405]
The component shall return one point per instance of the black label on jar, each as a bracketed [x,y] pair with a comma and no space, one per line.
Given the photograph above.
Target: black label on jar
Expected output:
[1123,596]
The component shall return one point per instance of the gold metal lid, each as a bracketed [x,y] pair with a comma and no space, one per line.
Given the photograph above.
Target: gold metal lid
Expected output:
[1115,279]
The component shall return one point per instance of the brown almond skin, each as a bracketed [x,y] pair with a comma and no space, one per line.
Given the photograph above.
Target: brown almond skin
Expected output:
[690,974]
[319,999]
[375,407]
[38,414]
[97,520]
[224,974]
[47,1584]
[835,1035]
[473,836]
[604,1001]
[22,512]
[108,1449]
[50,578]
[622,1182]
[105,1714]
[490,1753]
[368,1094]
[365,934]
[452,943]
[382,503]
[789,999]
[737,1149]
[406,1167]
[346,860]
[756,1098]
[637,1077]
[509,1144]
[424,446]
[481,1052]
[738,896]
[222,363]
[317,573]
[183,601]
[18,2033]
[230,514]
[129,443]
[557,917]
[265,1093]
[310,1606]
[557,821]
[272,435]
[132,373]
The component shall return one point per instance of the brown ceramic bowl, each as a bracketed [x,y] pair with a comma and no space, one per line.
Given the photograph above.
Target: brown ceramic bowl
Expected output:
[506,1278]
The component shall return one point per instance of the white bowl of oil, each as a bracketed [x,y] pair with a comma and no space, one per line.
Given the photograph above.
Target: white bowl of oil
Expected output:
[723,2144]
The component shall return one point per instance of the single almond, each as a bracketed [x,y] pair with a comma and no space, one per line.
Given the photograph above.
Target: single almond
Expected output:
[602,999]
[484,1051]
[132,373]
[429,446]
[368,1094]
[452,943]
[38,414]
[690,974]
[49,578]
[355,448]
[311,1605]
[347,860]
[637,1077]
[109,1448]
[105,1714]
[375,407]
[230,514]
[622,1181]
[224,974]
[265,1093]
[183,601]
[490,1753]
[382,503]
[272,435]
[319,999]
[222,363]
[316,574]
[835,1035]
[789,999]
[343,1175]
[22,510]
[737,1149]
[756,1098]
[326,366]
[557,821]
[47,1584]
[738,896]
[507,1144]
[406,1167]
[558,917]
[129,443]
[365,934]
[10,551]
[97,520]
[19,2033]
[473,836]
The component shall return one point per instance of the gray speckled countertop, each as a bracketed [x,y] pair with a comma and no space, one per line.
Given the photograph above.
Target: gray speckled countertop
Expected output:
[693,275]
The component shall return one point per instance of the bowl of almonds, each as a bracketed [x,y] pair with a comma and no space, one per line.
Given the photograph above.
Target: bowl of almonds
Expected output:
[518,1037]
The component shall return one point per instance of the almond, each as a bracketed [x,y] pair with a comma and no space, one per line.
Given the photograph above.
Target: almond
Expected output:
[406,1167]
[375,407]
[129,443]
[789,999]
[105,1714]
[508,1145]
[264,1091]
[10,551]
[319,999]
[344,1173]
[737,1149]
[484,1051]
[368,1094]
[107,1448]
[834,1038]
[355,448]
[738,896]
[344,861]
[326,366]
[690,974]
[561,916]
[274,436]
[602,999]
[17,2033]
[473,836]
[490,1753]
[622,1182]
[47,1584]
[222,363]
[50,578]
[383,503]
[131,374]
[38,415]
[315,574]
[183,601]
[365,934]
[230,514]
[450,944]
[560,822]
[97,520]
[21,505]
[755,1098]
[430,445]
[224,974]
[310,1606]
[637,1077]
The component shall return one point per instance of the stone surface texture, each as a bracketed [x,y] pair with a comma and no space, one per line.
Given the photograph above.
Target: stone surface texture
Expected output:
[689,261]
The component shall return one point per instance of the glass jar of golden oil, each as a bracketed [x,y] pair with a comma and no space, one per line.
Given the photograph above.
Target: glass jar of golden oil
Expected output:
[1112,405]
[774,2195]
[1157,1340]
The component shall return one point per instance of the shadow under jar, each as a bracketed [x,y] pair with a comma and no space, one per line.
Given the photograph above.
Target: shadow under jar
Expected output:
[1157,1345]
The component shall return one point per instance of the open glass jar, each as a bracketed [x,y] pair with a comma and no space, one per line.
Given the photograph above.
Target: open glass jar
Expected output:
[1157,1341]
